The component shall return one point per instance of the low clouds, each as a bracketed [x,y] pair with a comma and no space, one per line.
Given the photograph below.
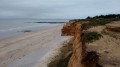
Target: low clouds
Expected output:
[57,9]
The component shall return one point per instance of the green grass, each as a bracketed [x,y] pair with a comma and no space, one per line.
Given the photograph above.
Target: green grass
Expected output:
[96,22]
[91,36]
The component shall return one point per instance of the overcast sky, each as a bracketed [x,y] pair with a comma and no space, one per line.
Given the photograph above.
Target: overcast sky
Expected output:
[57,9]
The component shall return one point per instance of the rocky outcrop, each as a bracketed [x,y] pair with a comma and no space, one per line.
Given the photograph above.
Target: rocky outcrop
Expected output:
[72,28]
[69,29]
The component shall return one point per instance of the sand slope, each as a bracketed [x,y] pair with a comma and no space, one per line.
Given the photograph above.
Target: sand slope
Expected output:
[28,49]
[107,47]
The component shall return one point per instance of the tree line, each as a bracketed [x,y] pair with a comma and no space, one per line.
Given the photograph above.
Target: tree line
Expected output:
[105,16]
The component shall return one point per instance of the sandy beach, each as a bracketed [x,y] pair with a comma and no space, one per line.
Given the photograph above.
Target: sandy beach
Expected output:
[32,49]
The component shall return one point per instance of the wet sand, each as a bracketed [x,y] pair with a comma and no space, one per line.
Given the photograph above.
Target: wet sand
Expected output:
[31,49]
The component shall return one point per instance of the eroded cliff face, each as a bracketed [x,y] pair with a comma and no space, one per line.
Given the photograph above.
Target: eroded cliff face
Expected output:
[74,29]
[86,55]
[80,57]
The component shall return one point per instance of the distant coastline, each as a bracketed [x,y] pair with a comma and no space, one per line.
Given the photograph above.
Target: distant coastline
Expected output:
[13,27]
[49,22]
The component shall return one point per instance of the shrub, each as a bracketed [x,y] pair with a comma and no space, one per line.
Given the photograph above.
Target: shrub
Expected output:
[91,36]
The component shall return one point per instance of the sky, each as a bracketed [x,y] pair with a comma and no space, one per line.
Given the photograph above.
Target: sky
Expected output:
[57,9]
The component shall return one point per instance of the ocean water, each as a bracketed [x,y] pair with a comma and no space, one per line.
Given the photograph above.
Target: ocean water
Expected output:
[11,27]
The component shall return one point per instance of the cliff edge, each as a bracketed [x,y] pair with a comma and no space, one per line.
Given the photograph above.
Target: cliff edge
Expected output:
[103,52]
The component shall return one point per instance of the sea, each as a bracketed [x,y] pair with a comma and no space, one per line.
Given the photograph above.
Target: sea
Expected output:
[11,27]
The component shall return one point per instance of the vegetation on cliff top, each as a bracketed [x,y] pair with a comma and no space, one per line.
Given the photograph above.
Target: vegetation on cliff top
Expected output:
[105,16]
[97,20]
[115,16]
[91,36]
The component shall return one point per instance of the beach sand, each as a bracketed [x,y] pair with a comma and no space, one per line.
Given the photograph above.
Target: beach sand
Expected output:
[33,49]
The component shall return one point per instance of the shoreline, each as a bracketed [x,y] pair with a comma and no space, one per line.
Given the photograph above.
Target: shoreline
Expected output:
[23,32]
[51,22]
[6,34]
[29,48]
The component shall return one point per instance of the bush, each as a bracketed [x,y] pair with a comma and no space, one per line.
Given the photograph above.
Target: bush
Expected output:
[91,36]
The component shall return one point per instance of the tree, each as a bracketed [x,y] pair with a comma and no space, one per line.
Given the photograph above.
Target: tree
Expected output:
[88,17]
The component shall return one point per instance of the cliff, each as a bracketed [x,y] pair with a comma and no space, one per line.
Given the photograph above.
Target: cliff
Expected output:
[74,29]
[100,53]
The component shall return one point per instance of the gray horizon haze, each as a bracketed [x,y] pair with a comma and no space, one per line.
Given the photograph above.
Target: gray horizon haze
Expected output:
[57,9]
